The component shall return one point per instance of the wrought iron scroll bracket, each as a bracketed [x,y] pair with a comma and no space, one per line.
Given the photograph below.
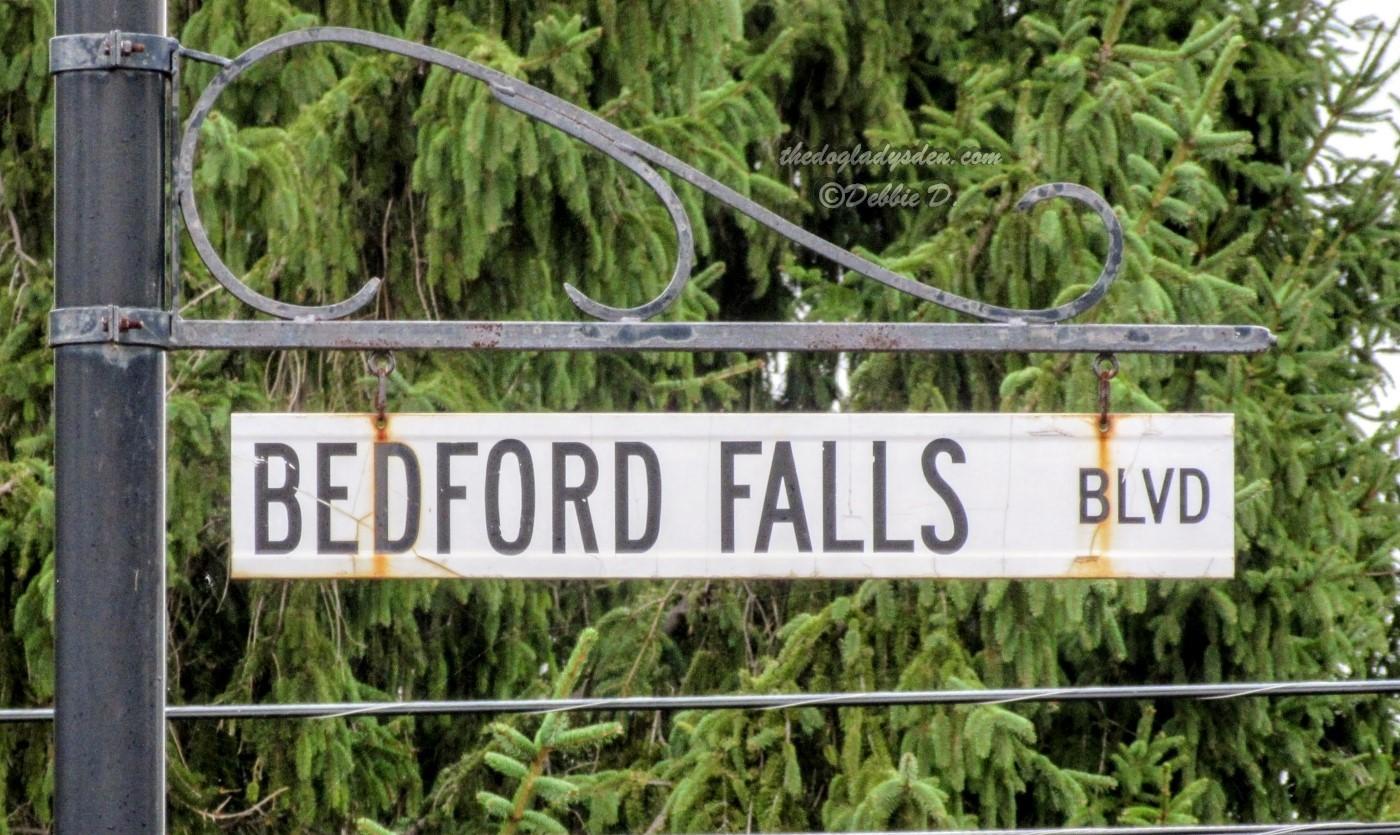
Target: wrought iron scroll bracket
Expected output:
[312,326]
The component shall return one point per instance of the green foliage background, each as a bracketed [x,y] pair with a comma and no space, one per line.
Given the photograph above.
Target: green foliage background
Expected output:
[1204,123]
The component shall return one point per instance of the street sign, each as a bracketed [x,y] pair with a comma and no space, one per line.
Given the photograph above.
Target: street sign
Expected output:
[732,495]
[589,496]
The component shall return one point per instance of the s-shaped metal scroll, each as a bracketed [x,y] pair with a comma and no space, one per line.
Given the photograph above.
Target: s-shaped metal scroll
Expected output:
[638,157]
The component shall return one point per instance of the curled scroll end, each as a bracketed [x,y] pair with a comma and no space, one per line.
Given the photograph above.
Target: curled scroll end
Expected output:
[184,184]
[685,249]
[363,297]
[1074,191]
[619,314]
[680,274]
[194,227]
[1113,261]
[304,312]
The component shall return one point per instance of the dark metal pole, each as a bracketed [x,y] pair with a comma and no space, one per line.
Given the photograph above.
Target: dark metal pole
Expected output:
[109,403]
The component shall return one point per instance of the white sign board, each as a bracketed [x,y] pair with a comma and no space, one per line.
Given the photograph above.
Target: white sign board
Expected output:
[732,495]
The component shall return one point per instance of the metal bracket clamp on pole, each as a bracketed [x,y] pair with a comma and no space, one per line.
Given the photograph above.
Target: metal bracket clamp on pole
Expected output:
[109,323]
[1003,329]
[112,50]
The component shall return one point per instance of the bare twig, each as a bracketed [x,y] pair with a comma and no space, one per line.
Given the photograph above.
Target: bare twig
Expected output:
[255,809]
[14,231]
[203,294]
[430,306]
[626,689]
[657,823]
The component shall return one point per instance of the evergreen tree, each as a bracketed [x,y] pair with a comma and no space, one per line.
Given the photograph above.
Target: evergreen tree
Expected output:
[1205,124]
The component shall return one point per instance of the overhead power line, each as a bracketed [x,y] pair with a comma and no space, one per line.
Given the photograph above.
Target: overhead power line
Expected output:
[759,701]
[1320,828]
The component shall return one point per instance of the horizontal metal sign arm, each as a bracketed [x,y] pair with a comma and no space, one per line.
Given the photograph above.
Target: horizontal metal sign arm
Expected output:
[722,336]
[69,326]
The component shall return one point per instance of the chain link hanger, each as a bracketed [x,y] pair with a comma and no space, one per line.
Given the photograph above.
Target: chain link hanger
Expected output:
[1105,368]
[381,364]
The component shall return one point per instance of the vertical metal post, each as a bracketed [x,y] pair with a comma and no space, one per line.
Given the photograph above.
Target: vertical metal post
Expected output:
[109,404]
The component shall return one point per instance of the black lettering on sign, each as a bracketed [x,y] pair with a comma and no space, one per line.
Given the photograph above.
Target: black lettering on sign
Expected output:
[831,542]
[881,522]
[510,446]
[576,495]
[945,492]
[264,494]
[1098,494]
[782,475]
[413,492]
[1123,517]
[447,492]
[623,452]
[728,490]
[1158,502]
[1188,518]
[327,493]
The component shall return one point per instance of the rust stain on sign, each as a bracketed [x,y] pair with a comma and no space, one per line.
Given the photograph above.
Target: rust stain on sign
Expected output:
[1098,564]
[381,427]
[379,424]
[1092,567]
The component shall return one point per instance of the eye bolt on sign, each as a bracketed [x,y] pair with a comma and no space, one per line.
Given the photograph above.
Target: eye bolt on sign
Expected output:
[732,495]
